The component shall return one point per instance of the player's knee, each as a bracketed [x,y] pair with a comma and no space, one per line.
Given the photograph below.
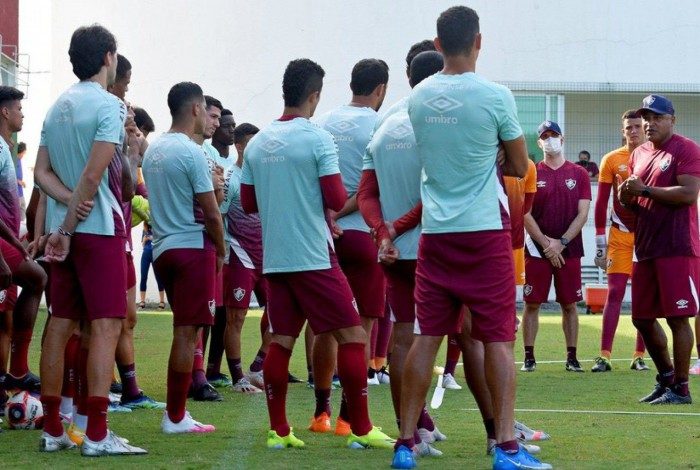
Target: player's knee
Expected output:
[677,324]
[642,325]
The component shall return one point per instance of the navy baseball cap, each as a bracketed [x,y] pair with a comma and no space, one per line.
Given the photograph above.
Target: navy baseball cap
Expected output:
[548,126]
[657,104]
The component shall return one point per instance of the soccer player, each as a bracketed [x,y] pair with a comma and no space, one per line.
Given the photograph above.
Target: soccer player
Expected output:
[88,271]
[299,161]
[188,243]
[615,255]
[554,245]
[464,253]
[695,370]
[662,190]
[24,272]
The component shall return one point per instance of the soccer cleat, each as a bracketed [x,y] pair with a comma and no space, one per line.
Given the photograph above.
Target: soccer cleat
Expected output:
[114,397]
[335,383]
[75,434]
[275,441]
[503,460]
[383,376]
[256,378]
[429,436]
[403,458]
[320,423]
[529,365]
[28,382]
[186,425]
[658,391]
[48,443]
[638,364]
[572,365]
[292,379]
[342,427]
[438,435]
[373,380]
[491,446]
[672,398]
[602,364]
[115,407]
[695,369]
[530,448]
[110,445]
[143,402]
[219,380]
[524,433]
[374,439]
[116,387]
[66,418]
[449,382]
[206,393]
[426,450]
[243,386]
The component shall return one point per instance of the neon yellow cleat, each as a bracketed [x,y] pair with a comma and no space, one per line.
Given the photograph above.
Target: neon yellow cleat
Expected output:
[274,441]
[375,439]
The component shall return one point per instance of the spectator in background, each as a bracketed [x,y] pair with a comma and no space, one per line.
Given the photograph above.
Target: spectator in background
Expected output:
[584,160]
[146,261]
[21,150]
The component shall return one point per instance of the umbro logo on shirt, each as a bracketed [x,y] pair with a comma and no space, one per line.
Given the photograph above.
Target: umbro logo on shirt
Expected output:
[682,303]
[570,183]
[622,168]
[401,131]
[343,126]
[541,184]
[442,104]
[664,164]
[273,145]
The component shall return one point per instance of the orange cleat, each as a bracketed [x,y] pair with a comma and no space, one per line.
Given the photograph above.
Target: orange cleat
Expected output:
[320,423]
[342,427]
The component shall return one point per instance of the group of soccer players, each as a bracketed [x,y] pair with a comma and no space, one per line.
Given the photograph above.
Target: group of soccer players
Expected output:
[418,215]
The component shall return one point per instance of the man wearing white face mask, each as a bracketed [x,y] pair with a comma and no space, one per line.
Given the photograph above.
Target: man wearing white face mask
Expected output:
[554,246]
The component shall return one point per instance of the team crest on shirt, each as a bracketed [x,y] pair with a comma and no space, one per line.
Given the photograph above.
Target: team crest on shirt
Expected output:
[664,164]
[682,303]
[238,293]
[527,289]
[570,183]
[212,307]
[344,126]
[3,295]
[541,184]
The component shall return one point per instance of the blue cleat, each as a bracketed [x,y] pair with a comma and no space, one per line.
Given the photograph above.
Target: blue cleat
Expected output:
[521,459]
[403,458]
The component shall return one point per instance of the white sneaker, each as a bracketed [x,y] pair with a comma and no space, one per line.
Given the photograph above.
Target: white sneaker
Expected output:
[256,378]
[383,376]
[110,445]
[695,369]
[244,386]
[373,381]
[438,435]
[114,397]
[48,443]
[523,433]
[188,424]
[426,436]
[449,382]
[426,450]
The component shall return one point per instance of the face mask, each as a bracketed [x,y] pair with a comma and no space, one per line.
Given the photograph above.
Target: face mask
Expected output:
[552,145]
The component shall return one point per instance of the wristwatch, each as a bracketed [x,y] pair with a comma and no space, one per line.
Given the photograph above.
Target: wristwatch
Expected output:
[564,241]
[646,192]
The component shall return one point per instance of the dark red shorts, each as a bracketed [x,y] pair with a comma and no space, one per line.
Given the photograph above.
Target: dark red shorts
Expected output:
[538,279]
[357,256]
[14,258]
[473,269]
[130,271]
[240,282]
[400,283]
[323,297]
[91,283]
[219,289]
[189,278]
[665,287]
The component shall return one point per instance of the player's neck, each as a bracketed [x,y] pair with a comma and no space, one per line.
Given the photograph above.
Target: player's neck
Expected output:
[554,161]
[100,78]
[359,101]
[239,160]
[631,147]
[6,134]
[662,143]
[221,148]
[459,64]
[188,130]
[301,111]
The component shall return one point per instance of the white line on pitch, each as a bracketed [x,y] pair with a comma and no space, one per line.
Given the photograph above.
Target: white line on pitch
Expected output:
[601,412]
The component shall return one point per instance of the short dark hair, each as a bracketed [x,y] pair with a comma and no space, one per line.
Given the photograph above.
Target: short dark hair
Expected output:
[631,114]
[417,48]
[143,120]
[457,28]
[367,74]
[243,130]
[8,93]
[585,152]
[424,65]
[302,77]
[87,50]
[123,66]
[211,101]
[21,147]
[226,112]
[182,94]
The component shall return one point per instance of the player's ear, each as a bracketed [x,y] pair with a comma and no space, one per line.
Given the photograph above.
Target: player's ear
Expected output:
[438,44]
[477,42]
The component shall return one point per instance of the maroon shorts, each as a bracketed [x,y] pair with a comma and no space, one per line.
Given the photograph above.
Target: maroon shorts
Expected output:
[538,279]
[219,289]
[665,287]
[14,258]
[189,278]
[240,282]
[91,283]
[323,297]
[472,269]
[130,271]
[357,256]
[400,283]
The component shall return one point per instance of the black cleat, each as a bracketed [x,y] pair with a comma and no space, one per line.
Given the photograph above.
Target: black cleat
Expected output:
[602,364]
[206,393]
[30,383]
[294,380]
[572,365]
[529,365]
[658,392]
[115,388]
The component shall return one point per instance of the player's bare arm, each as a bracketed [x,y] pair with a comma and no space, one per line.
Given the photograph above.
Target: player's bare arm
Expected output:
[515,163]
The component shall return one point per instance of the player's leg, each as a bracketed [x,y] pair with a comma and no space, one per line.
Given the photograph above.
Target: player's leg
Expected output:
[255,369]
[146,260]
[695,370]
[5,331]
[538,275]
[308,351]
[216,339]
[325,351]
[567,285]
[454,351]
[617,284]
[381,351]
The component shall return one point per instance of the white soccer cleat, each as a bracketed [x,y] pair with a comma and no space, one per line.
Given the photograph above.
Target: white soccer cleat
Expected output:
[48,443]
[426,436]
[523,433]
[187,425]
[491,447]
[256,378]
[695,369]
[449,382]
[244,386]
[438,435]
[383,376]
[110,445]
[426,450]
[373,381]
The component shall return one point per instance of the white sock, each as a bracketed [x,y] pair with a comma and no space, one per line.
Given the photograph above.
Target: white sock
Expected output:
[66,405]
[80,421]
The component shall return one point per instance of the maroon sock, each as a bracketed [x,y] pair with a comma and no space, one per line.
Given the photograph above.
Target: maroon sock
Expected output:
[410,443]
[509,446]
[97,418]
[52,418]
[178,385]
[351,369]
[199,378]
[425,421]
[639,346]
[666,378]
[529,353]
[234,366]
[681,388]
[453,353]
[70,367]
[20,350]
[384,328]
[323,402]
[256,365]
[617,283]
[275,374]
[82,404]
[343,412]
[373,340]
[416,437]
[127,374]
[570,353]
[490,425]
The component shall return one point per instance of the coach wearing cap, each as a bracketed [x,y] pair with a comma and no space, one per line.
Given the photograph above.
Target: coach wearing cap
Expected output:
[663,192]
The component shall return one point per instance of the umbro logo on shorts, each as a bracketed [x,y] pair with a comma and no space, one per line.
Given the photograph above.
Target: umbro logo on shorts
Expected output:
[527,289]
[3,295]
[239,293]
[541,184]
[400,132]
[212,307]
[442,104]
[571,183]
[273,145]
[664,164]
[342,127]
[682,303]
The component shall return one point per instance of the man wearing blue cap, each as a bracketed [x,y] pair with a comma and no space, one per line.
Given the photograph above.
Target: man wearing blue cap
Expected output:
[663,192]
[554,246]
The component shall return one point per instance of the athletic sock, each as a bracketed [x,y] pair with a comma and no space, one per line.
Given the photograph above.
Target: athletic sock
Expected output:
[66,405]
[52,418]
[216,343]
[351,359]
[323,402]
[20,350]
[178,385]
[639,346]
[97,418]
[453,352]
[70,367]
[570,353]
[681,388]
[425,421]
[410,443]
[509,446]
[371,372]
[234,367]
[490,426]
[82,389]
[384,329]
[276,376]
[309,371]
[127,374]
[256,365]
[617,283]
[343,412]
[416,437]
[199,379]
[666,378]
[529,353]
[80,419]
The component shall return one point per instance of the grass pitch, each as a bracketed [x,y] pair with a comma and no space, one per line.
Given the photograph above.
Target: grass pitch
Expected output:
[594,419]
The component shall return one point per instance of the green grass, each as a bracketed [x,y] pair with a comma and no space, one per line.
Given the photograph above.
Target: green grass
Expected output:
[580,441]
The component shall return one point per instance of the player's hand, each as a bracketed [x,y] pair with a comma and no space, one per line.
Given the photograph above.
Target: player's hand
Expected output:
[557,261]
[391,229]
[217,178]
[5,274]
[219,263]
[57,248]
[83,210]
[336,231]
[36,247]
[601,252]
[553,248]
[388,253]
